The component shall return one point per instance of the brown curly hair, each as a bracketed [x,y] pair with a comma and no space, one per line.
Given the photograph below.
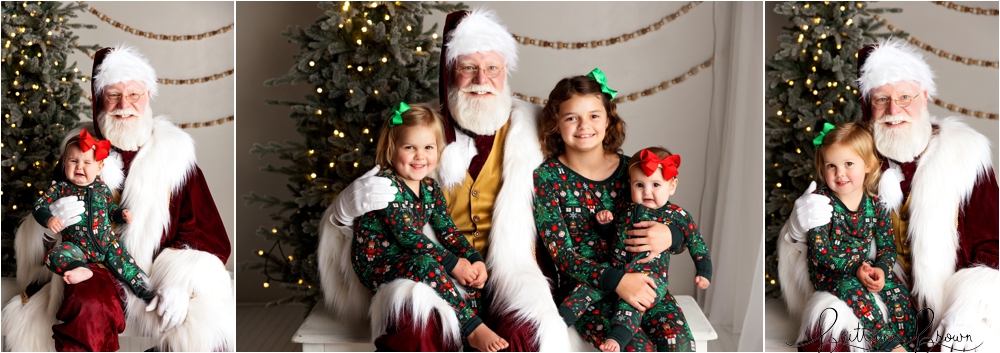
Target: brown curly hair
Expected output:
[566,89]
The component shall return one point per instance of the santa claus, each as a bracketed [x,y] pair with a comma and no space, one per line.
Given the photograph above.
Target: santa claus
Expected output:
[177,236]
[486,174]
[939,183]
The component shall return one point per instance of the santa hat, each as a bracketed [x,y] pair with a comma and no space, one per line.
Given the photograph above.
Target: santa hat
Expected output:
[890,61]
[120,64]
[469,32]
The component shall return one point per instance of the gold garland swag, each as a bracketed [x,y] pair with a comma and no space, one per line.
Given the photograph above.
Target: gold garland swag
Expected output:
[610,41]
[174,38]
[635,95]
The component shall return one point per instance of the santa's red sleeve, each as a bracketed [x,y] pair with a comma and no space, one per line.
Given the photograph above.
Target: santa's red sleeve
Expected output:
[194,220]
[978,224]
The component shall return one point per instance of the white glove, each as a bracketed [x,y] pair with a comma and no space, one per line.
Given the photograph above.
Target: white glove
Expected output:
[171,304]
[366,194]
[68,209]
[811,211]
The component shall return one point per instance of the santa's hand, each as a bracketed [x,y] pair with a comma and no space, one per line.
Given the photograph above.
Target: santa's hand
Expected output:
[69,209]
[366,194]
[811,211]
[171,304]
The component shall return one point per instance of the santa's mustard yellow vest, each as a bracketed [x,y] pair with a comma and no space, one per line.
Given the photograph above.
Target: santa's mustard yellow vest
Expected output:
[471,203]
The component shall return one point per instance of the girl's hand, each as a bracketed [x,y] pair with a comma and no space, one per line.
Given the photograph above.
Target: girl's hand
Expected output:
[637,290]
[605,217]
[878,279]
[55,224]
[480,281]
[127,215]
[865,276]
[649,236]
[701,282]
[464,272]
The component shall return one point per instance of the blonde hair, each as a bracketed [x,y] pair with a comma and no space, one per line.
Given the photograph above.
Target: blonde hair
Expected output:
[418,115]
[857,138]
[660,152]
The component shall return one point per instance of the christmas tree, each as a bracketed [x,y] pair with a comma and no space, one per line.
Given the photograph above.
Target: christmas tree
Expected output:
[811,80]
[363,59]
[41,102]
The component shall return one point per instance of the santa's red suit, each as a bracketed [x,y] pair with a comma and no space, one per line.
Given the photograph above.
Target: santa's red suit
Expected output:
[409,316]
[177,237]
[944,205]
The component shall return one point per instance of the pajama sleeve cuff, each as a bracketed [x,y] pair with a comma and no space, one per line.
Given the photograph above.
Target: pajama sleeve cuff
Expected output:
[853,270]
[42,216]
[610,278]
[677,239]
[118,216]
[885,268]
[703,268]
[449,261]
[607,230]
[474,257]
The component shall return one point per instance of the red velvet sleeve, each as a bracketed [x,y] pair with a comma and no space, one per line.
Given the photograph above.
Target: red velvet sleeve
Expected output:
[977,225]
[194,220]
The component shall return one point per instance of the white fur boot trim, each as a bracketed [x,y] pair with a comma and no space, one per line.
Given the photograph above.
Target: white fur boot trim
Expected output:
[835,318]
[27,327]
[421,301]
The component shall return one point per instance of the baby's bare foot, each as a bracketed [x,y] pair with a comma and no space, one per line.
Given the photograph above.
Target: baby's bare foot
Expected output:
[78,275]
[485,340]
[610,345]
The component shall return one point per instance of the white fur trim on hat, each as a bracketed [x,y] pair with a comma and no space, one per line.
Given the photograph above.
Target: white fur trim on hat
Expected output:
[895,60]
[124,64]
[479,32]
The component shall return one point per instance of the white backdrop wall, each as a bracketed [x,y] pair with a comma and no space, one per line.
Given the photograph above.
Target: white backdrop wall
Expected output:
[181,60]
[678,118]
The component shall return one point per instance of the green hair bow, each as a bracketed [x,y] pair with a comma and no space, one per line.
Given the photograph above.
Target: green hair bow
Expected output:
[819,139]
[598,76]
[397,114]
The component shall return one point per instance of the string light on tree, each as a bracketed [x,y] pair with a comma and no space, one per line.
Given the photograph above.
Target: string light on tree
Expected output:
[810,57]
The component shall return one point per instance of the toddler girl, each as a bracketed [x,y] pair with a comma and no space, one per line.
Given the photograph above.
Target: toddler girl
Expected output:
[841,258]
[390,243]
[90,240]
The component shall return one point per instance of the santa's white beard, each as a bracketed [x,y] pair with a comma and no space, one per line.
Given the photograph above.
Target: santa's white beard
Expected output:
[482,115]
[903,144]
[129,134]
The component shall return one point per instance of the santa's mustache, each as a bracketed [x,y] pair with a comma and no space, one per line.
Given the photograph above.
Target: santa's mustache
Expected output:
[123,112]
[479,89]
[895,119]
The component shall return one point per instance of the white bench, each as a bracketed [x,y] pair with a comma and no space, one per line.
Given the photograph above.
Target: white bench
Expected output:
[321,332]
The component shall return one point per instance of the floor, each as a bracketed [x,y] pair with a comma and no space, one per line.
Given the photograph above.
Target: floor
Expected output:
[268,329]
[780,330]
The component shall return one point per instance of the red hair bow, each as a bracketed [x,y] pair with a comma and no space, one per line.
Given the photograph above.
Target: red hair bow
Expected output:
[87,142]
[650,163]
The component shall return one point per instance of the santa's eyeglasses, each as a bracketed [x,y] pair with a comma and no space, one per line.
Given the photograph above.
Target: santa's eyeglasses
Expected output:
[114,98]
[883,102]
[469,71]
